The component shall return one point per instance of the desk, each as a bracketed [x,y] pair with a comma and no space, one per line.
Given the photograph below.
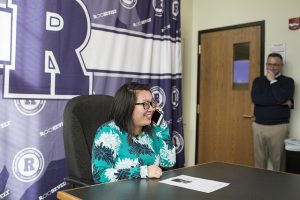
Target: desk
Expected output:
[246,183]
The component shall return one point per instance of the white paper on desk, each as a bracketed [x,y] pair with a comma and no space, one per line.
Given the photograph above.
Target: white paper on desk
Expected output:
[193,183]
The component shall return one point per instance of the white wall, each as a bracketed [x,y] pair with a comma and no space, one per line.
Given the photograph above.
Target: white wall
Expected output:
[199,15]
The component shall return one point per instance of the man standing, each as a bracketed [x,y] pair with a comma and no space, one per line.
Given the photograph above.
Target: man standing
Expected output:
[272,96]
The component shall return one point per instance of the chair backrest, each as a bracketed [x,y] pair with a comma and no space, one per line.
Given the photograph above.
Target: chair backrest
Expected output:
[82,116]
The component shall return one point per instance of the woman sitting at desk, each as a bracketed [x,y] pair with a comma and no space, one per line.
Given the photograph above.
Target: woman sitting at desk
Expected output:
[130,145]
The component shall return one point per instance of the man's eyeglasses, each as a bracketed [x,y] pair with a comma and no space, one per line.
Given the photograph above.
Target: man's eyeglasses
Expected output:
[274,65]
[147,104]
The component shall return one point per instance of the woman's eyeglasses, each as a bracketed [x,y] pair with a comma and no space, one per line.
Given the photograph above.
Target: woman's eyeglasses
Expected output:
[147,104]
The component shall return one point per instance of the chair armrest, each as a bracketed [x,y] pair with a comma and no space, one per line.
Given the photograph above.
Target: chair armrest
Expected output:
[77,182]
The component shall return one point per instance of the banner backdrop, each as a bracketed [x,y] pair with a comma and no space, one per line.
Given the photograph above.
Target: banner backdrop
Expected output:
[53,50]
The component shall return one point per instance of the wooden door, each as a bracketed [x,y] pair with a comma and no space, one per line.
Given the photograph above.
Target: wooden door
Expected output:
[224,119]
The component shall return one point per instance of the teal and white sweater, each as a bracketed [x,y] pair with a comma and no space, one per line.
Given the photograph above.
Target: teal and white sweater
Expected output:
[115,157]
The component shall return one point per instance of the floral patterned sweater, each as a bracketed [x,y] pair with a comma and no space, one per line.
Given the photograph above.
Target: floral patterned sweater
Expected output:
[115,157]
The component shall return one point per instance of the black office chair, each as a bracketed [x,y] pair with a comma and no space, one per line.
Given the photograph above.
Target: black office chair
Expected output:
[82,116]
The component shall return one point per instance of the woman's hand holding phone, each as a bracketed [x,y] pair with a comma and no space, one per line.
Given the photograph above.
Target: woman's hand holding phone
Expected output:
[157,117]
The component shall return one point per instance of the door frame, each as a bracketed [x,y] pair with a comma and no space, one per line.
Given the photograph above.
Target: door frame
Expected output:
[262,55]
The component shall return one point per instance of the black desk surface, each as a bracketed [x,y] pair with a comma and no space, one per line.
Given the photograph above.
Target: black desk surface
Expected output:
[245,183]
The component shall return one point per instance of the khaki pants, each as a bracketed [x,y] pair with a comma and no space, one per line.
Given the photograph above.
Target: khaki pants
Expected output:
[268,141]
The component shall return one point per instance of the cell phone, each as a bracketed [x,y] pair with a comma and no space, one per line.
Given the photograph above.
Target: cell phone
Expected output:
[157,117]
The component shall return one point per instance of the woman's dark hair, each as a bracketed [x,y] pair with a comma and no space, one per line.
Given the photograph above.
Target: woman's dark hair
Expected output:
[123,106]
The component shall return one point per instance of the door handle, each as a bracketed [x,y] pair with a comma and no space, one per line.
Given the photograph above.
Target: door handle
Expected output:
[248,116]
[251,115]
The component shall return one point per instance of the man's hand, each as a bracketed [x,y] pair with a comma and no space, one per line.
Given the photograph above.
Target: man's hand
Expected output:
[289,103]
[154,171]
[270,75]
